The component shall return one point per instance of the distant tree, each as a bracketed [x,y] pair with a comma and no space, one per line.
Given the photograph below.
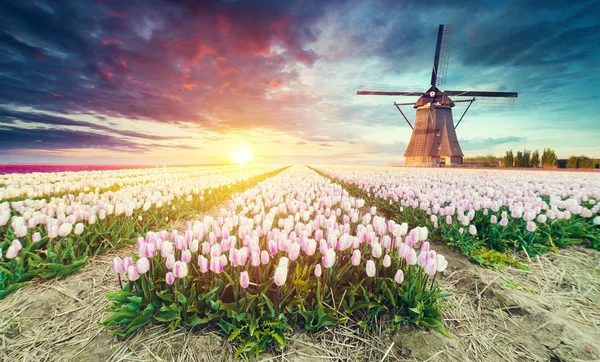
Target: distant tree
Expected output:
[535,159]
[519,159]
[526,158]
[580,162]
[549,158]
[509,159]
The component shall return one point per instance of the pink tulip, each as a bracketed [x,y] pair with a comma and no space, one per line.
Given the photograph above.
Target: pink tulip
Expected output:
[411,258]
[180,269]
[244,279]
[387,261]
[422,259]
[205,247]
[371,268]
[170,261]
[318,271]
[280,276]
[194,245]
[186,256]
[531,226]
[170,278]
[65,229]
[311,247]
[356,257]
[294,251]
[431,267]
[264,257]
[202,264]
[472,230]
[17,244]
[143,265]
[255,258]
[12,252]
[216,265]
[328,259]
[442,263]
[166,249]
[425,246]
[376,250]
[117,265]
[272,247]
[399,277]
[78,229]
[36,237]
[132,273]
[127,262]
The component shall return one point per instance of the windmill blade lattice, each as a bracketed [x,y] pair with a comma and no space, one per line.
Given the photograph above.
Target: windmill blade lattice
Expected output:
[442,70]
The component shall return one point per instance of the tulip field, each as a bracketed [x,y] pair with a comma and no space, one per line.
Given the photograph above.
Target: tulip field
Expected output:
[300,263]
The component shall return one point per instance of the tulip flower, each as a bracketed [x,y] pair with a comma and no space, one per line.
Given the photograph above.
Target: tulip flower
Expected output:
[376,250]
[202,264]
[132,273]
[411,258]
[143,265]
[264,257]
[244,279]
[399,276]
[180,269]
[117,265]
[280,275]
[431,267]
[531,226]
[65,229]
[472,229]
[170,263]
[387,261]
[216,265]
[356,257]
[127,262]
[371,268]
[186,256]
[328,260]
[318,271]
[441,262]
[12,252]
[170,278]
[78,229]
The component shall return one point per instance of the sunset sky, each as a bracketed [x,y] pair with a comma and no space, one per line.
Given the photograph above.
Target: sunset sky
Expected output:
[189,81]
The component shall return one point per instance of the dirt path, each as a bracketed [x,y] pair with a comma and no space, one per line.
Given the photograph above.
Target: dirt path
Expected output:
[551,313]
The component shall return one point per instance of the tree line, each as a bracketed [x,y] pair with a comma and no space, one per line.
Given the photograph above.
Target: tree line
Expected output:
[547,159]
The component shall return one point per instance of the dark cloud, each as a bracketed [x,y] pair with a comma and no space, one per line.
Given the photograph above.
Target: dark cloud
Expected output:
[8,116]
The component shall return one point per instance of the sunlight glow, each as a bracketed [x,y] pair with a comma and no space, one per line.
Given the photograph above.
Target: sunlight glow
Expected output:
[241,155]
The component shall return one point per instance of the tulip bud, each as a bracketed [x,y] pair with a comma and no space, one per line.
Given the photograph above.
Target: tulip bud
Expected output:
[180,269]
[442,263]
[371,268]
[376,250]
[143,265]
[65,229]
[431,267]
[203,264]
[117,265]
[132,273]
[78,228]
[127,262]
[264,257]
[328,259]
[411,257]
[170,278]
[472,229]
[280,275]
[387,261]
[244,279]
[12,252]
[399,277]
[186,256]
[318,271]
[356,257]
[170,261]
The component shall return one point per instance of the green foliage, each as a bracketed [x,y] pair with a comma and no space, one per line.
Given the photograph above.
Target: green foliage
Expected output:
[509,159]
[582,162]
[549,158]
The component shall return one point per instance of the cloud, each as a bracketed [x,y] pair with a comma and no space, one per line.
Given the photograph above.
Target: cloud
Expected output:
[488,143]
[288,67]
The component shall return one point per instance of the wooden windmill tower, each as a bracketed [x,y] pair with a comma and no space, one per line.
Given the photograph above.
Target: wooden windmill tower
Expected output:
[433,139]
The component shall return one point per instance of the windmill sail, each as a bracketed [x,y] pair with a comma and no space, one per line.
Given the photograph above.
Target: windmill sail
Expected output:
[389,90]
[442,55]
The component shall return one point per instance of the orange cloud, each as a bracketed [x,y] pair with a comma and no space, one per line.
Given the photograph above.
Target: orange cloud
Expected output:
[170,96]
[188,85]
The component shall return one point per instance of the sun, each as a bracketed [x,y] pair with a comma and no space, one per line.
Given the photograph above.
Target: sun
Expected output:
[241,155]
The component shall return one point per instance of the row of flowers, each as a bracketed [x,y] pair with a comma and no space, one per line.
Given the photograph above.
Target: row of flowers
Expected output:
[294,250]
[55,238]
[485,213]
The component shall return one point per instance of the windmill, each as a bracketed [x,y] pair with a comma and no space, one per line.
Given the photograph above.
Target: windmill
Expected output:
[433,139]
